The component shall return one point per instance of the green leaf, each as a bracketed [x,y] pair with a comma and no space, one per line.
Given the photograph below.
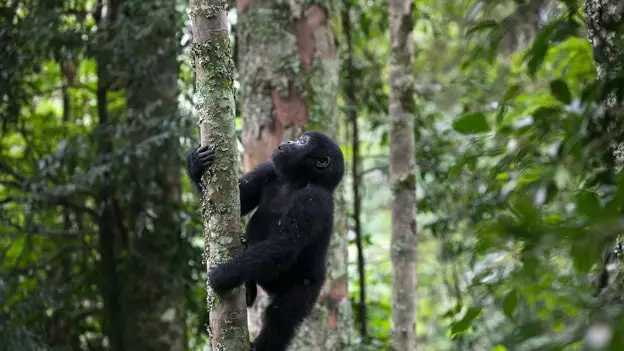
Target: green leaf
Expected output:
[463,324]
[510,302]
[471,123]
[454,171]
[588,203]
[500,114]
[559,89]
[540,47]
[523,207]
[546,113]
[562,177]
[584,255]
[499,348]
[482,25]
[511,92]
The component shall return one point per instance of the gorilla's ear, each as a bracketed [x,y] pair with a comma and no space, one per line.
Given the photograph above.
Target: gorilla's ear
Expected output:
[324,163]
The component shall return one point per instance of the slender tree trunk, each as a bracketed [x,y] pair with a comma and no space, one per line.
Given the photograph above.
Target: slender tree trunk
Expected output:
[221,205]
[289,81]
[350,94]
[60,330]
[403,179]
[109,286]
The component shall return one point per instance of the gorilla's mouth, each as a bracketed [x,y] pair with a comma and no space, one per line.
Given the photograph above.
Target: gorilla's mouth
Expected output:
[277,152]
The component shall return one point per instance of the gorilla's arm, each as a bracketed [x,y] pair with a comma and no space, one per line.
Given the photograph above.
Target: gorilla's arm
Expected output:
[250,184]
[304,223]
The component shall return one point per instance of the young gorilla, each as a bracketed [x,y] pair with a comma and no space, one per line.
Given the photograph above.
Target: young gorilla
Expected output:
[287,236]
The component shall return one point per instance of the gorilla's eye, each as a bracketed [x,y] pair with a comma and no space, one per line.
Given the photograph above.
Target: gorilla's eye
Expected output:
[323,163]
[303,139]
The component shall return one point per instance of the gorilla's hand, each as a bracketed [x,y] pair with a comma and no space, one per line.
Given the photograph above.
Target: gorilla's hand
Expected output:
[199,159]
[223,278]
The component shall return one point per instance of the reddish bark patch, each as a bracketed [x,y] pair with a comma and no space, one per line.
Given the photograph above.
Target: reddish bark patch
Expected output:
[332,320]
[338,291]
[337,294]
[259,149]
[242,5]
[306,38]
[290,109]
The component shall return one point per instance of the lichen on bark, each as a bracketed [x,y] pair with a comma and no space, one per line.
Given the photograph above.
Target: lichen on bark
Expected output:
[221,199]
[605,28]
[403,247]
[320,97]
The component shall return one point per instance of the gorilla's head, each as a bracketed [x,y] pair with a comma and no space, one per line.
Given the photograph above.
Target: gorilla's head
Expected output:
[314,158]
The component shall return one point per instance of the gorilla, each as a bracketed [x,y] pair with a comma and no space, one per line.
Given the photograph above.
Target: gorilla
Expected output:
[287,236]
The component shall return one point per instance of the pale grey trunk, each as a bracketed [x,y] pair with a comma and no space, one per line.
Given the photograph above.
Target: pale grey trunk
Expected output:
[403,249]
[289,81]
[221,205]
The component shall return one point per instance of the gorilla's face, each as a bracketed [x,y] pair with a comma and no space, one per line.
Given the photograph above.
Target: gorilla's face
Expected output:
[312,158]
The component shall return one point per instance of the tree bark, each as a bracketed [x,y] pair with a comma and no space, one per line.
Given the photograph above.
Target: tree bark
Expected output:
[109,285]
[605,30]
[351,102]
[221,198]
[288,82]
[403,249]
[604,27]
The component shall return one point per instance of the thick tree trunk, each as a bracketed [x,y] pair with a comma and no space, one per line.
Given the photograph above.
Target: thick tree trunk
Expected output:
[604,26]
[221,205]
[403,249]
[289,81]
[603,17]
[154,290]
[605,30]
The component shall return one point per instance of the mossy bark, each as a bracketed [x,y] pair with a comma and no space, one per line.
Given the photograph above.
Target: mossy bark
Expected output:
[221,205]
[289,81]
[403,247]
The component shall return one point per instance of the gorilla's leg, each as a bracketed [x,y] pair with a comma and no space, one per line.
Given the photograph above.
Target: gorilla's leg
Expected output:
[284,315]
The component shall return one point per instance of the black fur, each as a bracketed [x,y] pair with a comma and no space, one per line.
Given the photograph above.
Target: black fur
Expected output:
[288,235]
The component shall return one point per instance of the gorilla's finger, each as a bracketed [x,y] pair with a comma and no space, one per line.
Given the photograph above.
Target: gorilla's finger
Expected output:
[206,157]
[205,148]
[205,153]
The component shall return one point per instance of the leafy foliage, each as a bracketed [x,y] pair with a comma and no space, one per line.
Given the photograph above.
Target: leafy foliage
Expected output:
[518,194]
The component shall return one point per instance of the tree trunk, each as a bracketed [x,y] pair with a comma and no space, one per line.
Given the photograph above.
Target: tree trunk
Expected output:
[109,285]
[604,26]
[605,30]
[289,81]
[403,249]
[154,290]
[351,107]
[221,205]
